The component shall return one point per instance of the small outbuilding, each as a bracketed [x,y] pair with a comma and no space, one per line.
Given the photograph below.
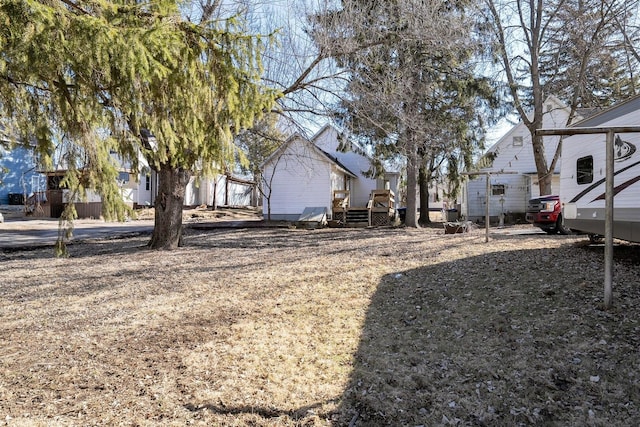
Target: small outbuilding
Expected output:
[326,171]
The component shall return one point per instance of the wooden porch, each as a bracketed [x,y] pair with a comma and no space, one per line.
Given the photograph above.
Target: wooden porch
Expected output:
[380,209]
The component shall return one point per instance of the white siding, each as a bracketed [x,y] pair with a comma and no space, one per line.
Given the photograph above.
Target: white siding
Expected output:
[579,146]
[393,180]
[520,158]
[301,178]
[361,190]
[514,200]
[240,194]
[142,195]
[535,188]
[327,140]
[191,193]
[205,191]
[337,180]
[199,191]
[219,185]
[517,158]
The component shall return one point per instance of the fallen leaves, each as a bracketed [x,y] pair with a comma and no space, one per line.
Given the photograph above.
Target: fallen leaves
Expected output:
[279,327]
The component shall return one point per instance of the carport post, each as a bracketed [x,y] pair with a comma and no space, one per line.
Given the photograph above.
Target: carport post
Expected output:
[486,208]
[608,222]
[610,132]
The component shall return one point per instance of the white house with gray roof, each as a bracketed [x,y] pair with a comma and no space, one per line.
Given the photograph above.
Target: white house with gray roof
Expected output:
[513,153]
[306,173]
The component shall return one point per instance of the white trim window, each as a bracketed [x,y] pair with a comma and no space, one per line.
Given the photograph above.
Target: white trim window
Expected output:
[498,189]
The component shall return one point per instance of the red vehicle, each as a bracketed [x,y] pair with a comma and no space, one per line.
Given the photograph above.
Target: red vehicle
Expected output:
[545,212]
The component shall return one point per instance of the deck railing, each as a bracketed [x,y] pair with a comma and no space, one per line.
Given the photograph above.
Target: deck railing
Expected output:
[380,209]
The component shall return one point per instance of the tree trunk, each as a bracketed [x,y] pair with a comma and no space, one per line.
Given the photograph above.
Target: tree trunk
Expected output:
[545,184]
[423,182]
[167,231]
[215,194]
[544,176]
[411,219]
[269,208]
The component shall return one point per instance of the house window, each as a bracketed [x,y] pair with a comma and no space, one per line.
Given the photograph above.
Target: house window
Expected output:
[147,182]
[54,182]
[497,190]
[584,167]
[35,184]
[517,141]
[123,177]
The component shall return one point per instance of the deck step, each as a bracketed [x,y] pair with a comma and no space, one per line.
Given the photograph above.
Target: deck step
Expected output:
[358,218]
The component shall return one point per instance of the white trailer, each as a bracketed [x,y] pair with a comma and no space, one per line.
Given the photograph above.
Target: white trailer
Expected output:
[583,175]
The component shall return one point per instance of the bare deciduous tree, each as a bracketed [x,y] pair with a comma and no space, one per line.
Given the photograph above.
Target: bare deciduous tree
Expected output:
[402,57]
[256,145]
[568,48]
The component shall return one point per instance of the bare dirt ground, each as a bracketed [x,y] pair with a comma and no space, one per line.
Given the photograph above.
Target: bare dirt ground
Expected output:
[331,327]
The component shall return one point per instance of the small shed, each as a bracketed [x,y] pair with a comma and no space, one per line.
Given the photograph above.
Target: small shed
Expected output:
[57,198]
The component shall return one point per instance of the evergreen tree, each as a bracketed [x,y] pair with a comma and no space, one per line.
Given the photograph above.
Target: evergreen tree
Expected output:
[132,78]
[412,89]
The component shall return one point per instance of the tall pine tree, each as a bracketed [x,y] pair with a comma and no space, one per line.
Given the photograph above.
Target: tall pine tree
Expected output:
[132,78]
[412,89]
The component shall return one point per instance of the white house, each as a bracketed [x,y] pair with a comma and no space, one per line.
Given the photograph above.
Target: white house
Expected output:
[305,173]
[513,153]
[221,189]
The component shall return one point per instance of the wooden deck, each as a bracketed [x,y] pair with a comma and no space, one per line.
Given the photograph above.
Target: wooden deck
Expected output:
[380,210]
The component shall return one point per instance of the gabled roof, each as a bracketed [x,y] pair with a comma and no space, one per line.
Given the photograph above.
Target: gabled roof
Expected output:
[506,137]
[355,147]
[520,125]
[505,155]
[587,113]
[335,160]
[340,135]
[296,136]
[323,129]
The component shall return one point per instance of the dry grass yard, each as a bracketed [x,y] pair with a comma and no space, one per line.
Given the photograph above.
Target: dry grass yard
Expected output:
[332,327]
